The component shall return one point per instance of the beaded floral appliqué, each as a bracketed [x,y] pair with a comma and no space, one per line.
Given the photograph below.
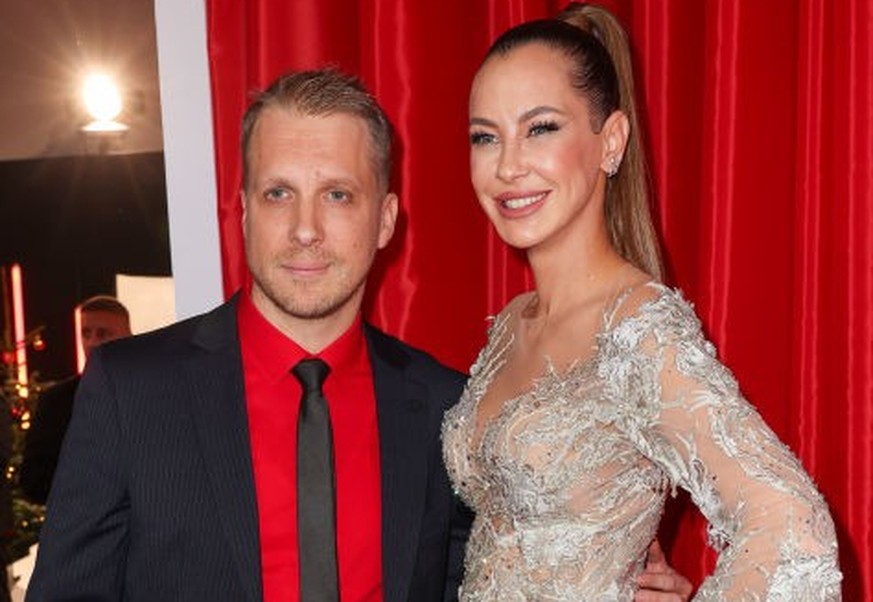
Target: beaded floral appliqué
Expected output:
[569,479]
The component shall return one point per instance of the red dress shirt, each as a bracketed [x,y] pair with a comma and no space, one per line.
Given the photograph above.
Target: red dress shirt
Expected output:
[272,401]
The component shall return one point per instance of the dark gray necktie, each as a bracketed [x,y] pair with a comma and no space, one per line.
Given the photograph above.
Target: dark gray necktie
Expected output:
[316,500]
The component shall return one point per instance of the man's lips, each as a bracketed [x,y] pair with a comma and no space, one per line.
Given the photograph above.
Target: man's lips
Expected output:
[306,268]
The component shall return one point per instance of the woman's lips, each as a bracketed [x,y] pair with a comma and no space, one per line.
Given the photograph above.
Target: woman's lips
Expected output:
[520,204]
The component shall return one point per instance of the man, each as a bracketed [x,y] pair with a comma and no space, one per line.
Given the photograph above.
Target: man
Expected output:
[181,477]
[103,319]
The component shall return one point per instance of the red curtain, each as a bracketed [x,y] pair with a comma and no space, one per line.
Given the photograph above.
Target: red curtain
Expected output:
[760,123]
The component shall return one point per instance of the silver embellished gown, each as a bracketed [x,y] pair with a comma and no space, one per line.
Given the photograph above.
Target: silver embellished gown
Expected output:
[569,479]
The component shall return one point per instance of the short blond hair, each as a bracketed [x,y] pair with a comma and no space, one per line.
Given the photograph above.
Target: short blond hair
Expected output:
[323,92]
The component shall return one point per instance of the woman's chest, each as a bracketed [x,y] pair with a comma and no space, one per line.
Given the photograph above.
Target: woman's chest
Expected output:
[553,449]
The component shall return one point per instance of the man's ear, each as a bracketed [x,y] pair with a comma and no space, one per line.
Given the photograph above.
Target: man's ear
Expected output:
[387,219]
[615,132]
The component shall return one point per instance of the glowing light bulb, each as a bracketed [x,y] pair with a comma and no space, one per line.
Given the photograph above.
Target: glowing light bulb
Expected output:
[102,99]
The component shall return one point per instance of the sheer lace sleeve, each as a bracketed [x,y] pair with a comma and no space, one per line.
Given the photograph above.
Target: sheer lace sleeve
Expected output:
[685,412]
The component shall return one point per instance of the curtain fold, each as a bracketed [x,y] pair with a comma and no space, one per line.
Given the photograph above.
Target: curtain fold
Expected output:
[760,130]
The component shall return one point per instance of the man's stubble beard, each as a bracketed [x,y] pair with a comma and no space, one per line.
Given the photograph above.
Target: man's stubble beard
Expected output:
[293,298]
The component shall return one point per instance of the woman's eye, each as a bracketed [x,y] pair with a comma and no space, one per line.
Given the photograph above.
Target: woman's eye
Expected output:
[482,138]
[544,127]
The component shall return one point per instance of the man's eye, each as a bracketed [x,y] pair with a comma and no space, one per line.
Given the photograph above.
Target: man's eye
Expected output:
[339,196]
[482,138]
[276,194]
[542,127]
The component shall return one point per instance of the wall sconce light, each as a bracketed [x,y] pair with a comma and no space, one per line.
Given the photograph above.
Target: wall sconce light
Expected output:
[103,102]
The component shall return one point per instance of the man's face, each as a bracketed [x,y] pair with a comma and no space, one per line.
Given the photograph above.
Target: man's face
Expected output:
[101,326]
[314,216]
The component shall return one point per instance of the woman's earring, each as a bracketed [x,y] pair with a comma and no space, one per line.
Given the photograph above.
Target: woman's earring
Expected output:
[613,167]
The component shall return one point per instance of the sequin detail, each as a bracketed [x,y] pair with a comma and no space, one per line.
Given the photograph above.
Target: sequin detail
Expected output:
[569,479]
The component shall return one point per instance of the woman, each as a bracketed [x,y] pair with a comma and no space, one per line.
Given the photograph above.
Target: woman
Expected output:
[596,394]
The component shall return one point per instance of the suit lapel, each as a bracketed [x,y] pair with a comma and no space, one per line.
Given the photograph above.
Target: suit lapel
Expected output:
[217,392]
[403,441]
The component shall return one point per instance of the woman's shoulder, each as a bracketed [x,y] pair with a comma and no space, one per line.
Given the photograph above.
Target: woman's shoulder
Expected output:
[651,306]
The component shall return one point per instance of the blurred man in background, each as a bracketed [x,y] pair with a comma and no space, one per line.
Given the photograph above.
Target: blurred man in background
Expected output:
[103,319]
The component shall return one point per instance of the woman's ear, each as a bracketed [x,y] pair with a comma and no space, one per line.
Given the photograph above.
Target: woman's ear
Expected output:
[615,132]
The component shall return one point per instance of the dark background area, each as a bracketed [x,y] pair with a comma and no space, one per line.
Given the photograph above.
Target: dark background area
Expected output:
[73,223]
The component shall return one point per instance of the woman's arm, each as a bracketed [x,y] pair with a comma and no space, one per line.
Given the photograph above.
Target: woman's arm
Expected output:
[772,527]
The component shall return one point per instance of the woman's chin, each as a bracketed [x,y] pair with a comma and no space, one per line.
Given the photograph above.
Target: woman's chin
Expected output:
[518,240]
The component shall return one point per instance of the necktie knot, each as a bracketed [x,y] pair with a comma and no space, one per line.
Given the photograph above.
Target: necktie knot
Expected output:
[311,374]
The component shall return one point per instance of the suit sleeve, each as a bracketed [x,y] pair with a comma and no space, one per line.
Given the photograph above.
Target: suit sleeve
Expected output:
[84,542]
[460,522]
[462,519]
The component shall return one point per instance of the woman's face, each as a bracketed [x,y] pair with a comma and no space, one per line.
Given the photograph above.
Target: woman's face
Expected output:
[536,164]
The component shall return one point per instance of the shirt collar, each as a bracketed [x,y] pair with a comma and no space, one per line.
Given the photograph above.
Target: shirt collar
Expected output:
[275,354]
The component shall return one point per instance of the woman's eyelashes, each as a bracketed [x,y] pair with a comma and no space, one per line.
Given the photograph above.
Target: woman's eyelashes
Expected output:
[538,128]
[478,138]
[535,129]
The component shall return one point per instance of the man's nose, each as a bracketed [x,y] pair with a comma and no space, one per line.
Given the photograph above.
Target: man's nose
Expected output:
[307,228]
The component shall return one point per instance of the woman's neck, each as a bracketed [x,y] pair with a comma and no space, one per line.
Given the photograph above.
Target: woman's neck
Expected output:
[575,271]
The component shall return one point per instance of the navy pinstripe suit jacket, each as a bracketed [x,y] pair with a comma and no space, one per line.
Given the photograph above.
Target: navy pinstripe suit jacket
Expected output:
[154,499]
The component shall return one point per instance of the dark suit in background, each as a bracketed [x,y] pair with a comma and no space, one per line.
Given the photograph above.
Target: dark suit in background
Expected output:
[103,318]
[154,495]
[43,443]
